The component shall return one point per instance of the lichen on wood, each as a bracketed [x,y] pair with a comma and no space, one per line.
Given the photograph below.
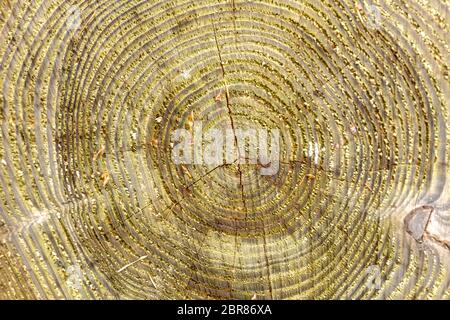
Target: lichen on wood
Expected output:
[92,205]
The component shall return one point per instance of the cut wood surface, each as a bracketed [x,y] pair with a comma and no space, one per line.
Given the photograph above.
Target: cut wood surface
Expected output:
[92,205]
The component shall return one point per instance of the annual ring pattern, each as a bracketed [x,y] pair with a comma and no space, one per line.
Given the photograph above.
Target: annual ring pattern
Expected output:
[93,205]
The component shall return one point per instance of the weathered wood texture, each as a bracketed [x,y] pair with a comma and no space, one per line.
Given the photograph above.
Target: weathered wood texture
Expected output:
[92,206]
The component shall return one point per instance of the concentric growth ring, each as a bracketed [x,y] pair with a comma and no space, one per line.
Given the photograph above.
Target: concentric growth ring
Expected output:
[93,204]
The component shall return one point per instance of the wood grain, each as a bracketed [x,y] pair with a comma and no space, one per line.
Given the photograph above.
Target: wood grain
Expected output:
[93,207]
